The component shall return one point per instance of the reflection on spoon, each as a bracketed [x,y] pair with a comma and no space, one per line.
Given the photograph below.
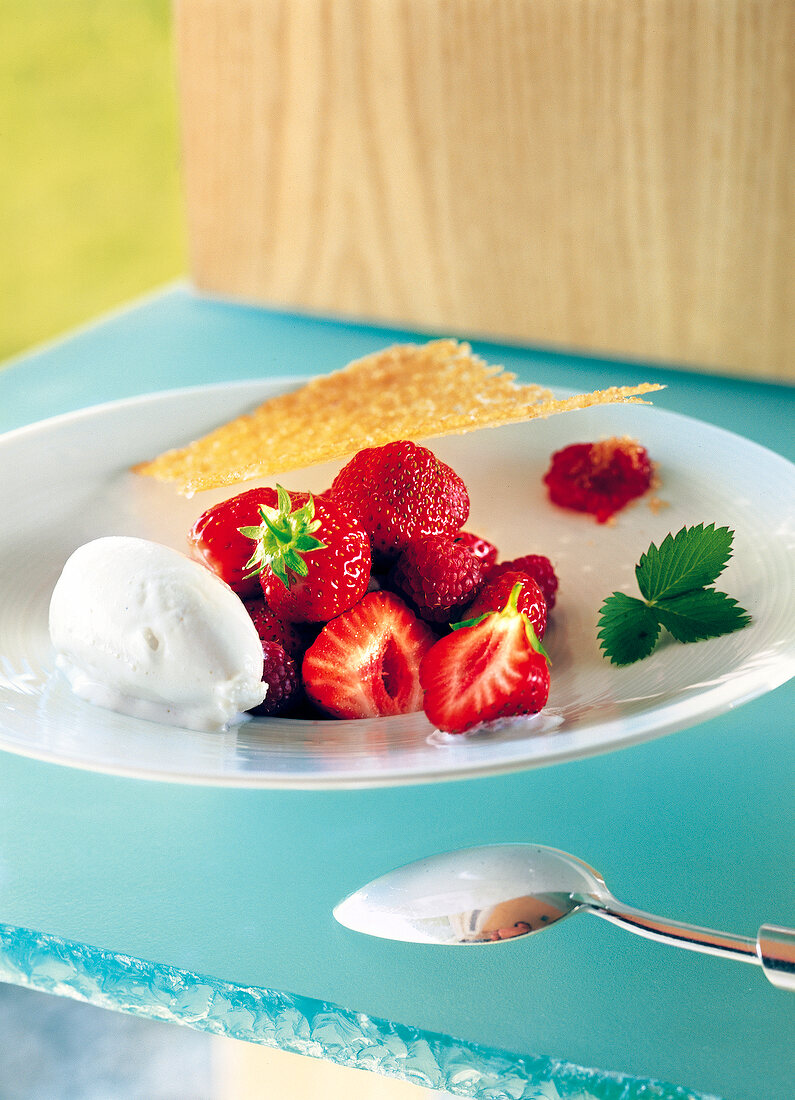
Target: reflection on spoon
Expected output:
[507,920]
[505,891]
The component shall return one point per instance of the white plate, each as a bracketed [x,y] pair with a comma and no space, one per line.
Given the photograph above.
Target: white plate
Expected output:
[70,482]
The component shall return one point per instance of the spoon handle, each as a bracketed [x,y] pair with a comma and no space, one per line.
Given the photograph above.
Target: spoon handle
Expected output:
[773,949]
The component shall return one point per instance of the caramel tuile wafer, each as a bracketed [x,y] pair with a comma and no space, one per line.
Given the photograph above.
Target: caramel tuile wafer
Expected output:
[408,391]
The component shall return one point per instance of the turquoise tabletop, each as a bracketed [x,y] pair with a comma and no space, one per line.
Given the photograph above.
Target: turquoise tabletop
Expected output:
[212,906]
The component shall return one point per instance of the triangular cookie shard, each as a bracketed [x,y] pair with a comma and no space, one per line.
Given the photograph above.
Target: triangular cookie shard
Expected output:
[408,391]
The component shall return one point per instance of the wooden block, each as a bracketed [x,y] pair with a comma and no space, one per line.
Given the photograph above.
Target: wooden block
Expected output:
[608,175]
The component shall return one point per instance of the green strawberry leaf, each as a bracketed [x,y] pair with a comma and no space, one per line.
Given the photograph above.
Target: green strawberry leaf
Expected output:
[695,616]
[628,629]
[282,538]
[674,578]
[692,558]
[465,623]
[283,502]
[534,639]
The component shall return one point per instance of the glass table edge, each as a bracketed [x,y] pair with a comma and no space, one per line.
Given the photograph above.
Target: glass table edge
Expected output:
[303,1025]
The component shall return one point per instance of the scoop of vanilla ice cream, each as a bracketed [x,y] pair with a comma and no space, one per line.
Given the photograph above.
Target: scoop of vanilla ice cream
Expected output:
[142,629]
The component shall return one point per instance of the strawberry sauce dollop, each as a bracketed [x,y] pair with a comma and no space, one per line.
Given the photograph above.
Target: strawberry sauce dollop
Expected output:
[599,478]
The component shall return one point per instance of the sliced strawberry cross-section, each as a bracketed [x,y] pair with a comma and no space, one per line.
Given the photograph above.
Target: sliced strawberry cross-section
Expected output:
[488,668]
[366,662]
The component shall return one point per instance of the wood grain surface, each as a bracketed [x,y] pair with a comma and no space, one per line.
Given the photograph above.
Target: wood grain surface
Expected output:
[608,175]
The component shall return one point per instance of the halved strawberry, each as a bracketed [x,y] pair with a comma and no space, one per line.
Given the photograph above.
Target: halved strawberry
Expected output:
[486,669]
[366,662]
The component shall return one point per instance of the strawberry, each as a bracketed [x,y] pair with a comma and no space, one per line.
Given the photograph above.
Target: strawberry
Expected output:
[402,493]
[306,578]
[215,538]
[496,592]
[485,551]
[271,629]
[536,566]
[484,670]
[366,662]
[439,575]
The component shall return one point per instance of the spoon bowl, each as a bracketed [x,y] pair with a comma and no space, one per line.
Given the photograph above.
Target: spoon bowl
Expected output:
[506,891]
[474,895]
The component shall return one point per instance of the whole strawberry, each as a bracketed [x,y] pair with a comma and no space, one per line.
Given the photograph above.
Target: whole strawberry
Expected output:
[439,575]
[496,592]
[272,629]
[492,669]
[366,662]
[402,493]
[313,558]
[536,566]
[215,538]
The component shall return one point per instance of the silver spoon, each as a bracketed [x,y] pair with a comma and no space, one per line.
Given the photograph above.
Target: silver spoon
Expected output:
[502,891]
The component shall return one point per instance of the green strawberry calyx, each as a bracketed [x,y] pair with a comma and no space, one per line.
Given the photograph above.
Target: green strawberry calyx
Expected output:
[509,611]
[283,537]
